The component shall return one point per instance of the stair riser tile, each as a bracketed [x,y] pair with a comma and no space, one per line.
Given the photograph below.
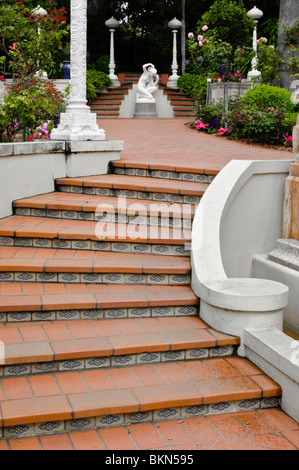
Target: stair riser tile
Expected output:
[98,278]
[99,314]
[146,195]
[151,416]
[175,250]
[185,222]
[106,362]
[172,175]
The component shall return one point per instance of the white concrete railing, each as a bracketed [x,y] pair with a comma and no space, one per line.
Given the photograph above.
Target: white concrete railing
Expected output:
[31,168]
[230,219]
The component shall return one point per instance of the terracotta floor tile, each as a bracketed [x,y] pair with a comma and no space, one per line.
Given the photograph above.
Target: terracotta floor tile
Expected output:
[166,395]
[269,387]
[71,382]
[35,410]
[228,426]
[221,368]
[26,352]
[175,433]
[86,440]
[123,378]
[57,331]
[56,442]
[194,338]
[117,439]
[281,421]
[10,336]
[227,389]
[293,437]
[145,342]
[16,388]
[254,423]
[44,385]
[104,328]
[146,436]
[148,375]
[103,403]
[32,334]
[10,289]
[81,330]
[127,326]
[244,366]
[197,370]
[81,348]
[27,443]
[272,442]
[97,380]
[201,429]
[173,372]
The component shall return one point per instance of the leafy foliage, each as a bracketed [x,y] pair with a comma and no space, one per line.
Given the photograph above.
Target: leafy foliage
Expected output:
[95,81]
[195,86]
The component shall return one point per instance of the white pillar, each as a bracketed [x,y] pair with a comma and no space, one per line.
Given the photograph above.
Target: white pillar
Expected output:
[112,24]
[172,80]
[78,123]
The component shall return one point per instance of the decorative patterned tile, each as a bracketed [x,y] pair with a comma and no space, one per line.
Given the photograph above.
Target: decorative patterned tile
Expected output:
[23,242]
[92,314]
[25,277]
[172,356]
[42,243]
[139,312]
[86,216]
[162,311]
[163,174]
[140,172]
[54,213]
[157,279]
[221,351]
[65,244]
[21,430]
[113,278]
[162,249]
[68,315]
[43,316]
[46,277]
[50,427]
[91,278]
[130,171]
[195,410]
[201,178]
[16,370]
[166,413]
[141,248]
[69,215]
[19,317]
[246,405]
[144,195]
[159,197]
[124,360]
[77,189]
[139,417]
[6,241]
[270,402]
[6,276]
[116,313]
[89,191]
[97,362]
[69,277]
[75,364]
[44,367]
[22,211]
[110,421]
[188,177]
[175,198]
[222,407]
[64,188]
[103,192]
[101,246]
[80,424]
[121,247]
[135,279]
[181,251]
[179,279]
[39,212]
[148,358]
[186,310]
[118,171]
[197,353]
[175,175]
[191,199]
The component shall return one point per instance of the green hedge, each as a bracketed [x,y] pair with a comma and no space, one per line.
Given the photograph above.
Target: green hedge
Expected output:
[195,86]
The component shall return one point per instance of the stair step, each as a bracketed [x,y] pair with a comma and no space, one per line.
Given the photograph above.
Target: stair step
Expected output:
[40,265]
[89,399]
[158,169]
[44,302]
[105,209]
[43,232]
[135,188]
[96,344]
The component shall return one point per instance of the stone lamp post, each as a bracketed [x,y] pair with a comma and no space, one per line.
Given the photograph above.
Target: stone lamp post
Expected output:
[255,14]
[78,123]
[112,24]
[39,11]
[174,24]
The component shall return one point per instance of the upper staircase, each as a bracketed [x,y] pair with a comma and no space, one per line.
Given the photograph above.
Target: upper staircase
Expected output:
[100,324]
[108,103]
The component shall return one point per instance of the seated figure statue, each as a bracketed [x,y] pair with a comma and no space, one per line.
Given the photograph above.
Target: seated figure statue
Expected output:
[147,84]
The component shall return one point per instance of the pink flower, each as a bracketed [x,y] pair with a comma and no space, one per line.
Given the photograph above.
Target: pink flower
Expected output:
[30,139]
[200,125]
[14,46]
[236,75]
[222,131]
[200,44]
[190,35]
[199,38]
[204,28]
[36,135]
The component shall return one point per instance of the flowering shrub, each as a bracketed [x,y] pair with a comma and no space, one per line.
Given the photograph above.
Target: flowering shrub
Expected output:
[29,104]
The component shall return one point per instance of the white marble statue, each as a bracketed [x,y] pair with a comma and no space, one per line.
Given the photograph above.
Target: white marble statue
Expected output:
[147,84]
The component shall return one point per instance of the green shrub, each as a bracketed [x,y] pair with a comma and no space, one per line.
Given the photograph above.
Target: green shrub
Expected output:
[265,96]
[95,81]
[28,104]
[195,86]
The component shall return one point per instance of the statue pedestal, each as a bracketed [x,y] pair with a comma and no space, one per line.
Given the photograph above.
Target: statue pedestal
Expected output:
[145,110]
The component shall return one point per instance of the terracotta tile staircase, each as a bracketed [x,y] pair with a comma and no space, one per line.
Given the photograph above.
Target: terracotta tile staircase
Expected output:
[101,328]
[107,104]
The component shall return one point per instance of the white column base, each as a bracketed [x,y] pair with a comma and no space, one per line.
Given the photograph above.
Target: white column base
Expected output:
[78,126]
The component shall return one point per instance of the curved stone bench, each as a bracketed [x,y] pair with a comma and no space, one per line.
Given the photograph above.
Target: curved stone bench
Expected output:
[231,305]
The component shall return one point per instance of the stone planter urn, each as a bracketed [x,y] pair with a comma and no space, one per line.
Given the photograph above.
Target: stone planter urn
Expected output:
[234,89]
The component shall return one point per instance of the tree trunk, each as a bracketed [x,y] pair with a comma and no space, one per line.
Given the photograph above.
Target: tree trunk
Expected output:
[288,16]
